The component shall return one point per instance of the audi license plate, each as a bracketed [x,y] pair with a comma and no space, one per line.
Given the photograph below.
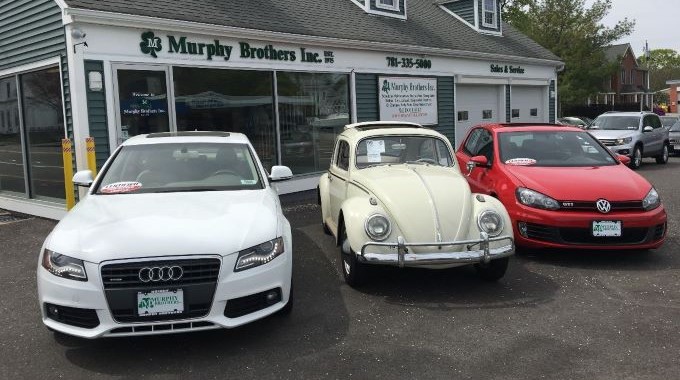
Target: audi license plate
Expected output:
[160,302]
[607,228]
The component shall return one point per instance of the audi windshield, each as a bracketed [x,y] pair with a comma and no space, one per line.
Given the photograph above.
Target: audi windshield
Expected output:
[179,167]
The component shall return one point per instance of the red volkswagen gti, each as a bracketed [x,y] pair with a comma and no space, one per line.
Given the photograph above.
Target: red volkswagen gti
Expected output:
[563,188]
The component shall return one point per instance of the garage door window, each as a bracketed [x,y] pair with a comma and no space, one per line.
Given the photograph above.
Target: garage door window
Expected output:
[487,114]
[515,112]
[462,115]
[533,112]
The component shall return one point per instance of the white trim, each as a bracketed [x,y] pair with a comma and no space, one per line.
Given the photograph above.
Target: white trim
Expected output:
[447,10]
[465,79]
[494,24]
[529,82]
[303,183]
[31,66]
[353,96]
[132,21]
[394,7]
[78,93]
[35,207]
[481,31]
[62,4]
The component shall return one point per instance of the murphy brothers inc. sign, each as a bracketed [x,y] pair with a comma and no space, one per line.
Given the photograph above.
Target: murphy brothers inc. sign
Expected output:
[151,44]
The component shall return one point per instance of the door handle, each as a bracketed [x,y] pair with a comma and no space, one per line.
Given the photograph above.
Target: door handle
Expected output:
[330,177]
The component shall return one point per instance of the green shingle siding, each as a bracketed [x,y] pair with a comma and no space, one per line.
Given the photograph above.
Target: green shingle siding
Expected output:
[367,97]
[445,108]
[465,9]
[551,102]
[30,31]
[96,114]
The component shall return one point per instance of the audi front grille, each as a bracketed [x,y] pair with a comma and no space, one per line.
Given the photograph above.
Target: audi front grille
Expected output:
[123,281]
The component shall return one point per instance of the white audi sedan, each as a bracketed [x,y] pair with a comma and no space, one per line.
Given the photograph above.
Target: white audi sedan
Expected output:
[179,232]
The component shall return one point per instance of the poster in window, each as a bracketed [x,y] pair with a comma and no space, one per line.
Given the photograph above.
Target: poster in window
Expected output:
[408,99]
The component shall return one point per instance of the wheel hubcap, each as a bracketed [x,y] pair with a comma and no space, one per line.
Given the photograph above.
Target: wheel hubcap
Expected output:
[638,158]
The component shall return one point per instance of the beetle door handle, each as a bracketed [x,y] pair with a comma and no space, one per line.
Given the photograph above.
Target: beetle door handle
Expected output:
[330,177]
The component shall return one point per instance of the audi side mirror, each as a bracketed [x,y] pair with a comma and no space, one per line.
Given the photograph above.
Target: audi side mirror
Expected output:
[280,173]
[83,178]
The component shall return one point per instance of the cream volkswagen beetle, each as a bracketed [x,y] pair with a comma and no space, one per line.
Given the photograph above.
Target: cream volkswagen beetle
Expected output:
[394,196]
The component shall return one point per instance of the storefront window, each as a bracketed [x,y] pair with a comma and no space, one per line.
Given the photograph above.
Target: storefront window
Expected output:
[143,101]
[228,100]
[11,157]
[313,109]
[44,126]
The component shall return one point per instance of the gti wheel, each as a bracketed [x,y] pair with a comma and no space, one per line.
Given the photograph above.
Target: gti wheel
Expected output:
[494,270]
[663,158]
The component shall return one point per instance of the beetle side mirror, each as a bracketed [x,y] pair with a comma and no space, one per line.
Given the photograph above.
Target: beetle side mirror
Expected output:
[280,173]
[623,159]
[647,129]
[476,161]
[83,178]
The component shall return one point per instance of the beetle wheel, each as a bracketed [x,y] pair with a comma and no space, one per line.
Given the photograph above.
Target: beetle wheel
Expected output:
[352,270]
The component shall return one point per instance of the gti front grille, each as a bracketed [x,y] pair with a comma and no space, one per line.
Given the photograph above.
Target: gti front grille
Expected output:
[584,236]
[592,206]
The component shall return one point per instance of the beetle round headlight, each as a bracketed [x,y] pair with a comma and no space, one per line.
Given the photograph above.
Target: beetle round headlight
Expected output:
[378,227]
[490,222]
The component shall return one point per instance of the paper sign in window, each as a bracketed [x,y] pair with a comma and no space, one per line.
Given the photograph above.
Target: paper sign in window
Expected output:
[373,150]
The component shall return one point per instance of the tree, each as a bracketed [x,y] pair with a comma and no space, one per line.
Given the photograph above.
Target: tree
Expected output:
[574,33]
[663,65]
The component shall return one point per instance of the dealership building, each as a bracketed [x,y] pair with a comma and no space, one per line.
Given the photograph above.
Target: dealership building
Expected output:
[289,74]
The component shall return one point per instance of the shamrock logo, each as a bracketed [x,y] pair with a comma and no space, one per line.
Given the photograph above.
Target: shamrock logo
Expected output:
[150,44]
[386,87]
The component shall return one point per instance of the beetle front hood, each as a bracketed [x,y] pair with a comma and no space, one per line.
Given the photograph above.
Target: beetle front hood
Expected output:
[106,227]
[419,198]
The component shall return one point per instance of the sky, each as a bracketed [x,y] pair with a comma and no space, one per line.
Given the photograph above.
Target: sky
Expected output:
[655,22]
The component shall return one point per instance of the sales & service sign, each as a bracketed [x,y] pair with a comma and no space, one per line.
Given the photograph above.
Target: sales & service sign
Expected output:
[408,99]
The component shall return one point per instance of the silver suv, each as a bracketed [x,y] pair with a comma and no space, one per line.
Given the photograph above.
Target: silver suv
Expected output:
[632,134]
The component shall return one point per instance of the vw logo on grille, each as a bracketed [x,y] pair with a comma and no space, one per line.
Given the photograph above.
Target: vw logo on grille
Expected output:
[603,206]
[156,274]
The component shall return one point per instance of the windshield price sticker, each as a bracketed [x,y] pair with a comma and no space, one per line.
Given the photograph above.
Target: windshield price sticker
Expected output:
[121,187]
[373,150]
[409,63]
[607,228]
[521,161]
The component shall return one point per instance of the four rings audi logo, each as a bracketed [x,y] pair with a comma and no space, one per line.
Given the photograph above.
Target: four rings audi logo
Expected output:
[165,273]
[603,206]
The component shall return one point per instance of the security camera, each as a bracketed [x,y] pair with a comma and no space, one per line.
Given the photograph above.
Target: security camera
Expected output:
[77,33]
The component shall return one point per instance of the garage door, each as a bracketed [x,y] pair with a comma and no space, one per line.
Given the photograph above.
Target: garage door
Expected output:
[528,104]
[477,104]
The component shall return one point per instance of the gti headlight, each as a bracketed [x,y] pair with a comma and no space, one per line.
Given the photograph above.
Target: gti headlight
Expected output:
[259,254]
[378,227]
[63,266]
[490,222]
[624,141]
[651,201]
[535,199]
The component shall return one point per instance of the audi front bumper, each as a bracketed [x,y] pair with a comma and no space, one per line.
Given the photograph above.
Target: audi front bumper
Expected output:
[83,309]
[475,251]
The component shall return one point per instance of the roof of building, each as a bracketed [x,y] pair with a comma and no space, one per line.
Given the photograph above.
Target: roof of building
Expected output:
[615,52]
[427,25]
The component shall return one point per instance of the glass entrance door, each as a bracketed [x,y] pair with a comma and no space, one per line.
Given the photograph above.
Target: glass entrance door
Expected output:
[142,100]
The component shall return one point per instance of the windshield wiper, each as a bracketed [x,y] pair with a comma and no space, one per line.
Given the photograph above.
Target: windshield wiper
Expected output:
[186,190]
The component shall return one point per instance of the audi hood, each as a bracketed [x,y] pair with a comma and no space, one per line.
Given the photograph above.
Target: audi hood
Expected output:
[107,227]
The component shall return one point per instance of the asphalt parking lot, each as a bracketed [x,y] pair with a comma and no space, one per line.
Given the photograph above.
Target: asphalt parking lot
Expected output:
[556,315]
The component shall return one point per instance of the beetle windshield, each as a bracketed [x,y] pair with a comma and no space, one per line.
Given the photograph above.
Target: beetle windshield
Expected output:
[400,149]
[552,148]
[177,167]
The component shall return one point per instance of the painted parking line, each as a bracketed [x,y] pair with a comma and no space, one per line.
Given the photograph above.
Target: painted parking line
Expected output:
[7,218]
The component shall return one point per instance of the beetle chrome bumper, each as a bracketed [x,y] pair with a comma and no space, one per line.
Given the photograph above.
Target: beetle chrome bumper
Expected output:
[404,258]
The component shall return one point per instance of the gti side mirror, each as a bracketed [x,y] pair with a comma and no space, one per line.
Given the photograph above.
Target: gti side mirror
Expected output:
[476,161]
[624,159]
[83,178]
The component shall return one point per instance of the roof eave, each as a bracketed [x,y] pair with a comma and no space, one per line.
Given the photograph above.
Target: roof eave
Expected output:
[73,15]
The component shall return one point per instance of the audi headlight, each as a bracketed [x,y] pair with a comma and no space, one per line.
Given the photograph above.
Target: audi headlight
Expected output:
[64,266]
[259,254]
[624,141]
[378,227]
[490,222]
[535,199]
[651,201]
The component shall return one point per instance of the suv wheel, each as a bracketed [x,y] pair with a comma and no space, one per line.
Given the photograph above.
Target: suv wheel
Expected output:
[636,160]
[663,158]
